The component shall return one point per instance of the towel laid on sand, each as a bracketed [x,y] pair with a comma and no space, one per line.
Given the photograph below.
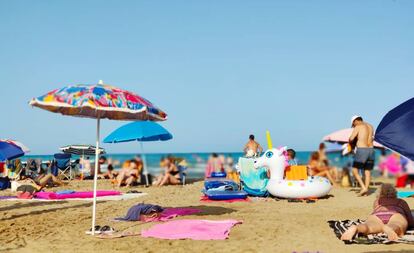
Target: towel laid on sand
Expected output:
[405,194]
[65,191]
[191,229]
[339,227]
[206,199]
[83,195]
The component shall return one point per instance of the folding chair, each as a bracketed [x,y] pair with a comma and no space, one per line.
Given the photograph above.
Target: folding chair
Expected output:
[183,174]
[61,166]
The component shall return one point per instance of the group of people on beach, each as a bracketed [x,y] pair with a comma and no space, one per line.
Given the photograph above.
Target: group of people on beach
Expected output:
[391,215]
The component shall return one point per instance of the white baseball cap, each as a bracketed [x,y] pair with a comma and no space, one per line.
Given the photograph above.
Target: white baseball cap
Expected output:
[354,118]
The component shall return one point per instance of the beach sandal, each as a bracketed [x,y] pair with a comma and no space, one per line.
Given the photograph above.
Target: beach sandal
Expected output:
[97,230]
[106,230]
[118,235]
[133,191]
[295,200]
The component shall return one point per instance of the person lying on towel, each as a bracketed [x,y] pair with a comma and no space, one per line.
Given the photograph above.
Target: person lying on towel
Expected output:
[391,216]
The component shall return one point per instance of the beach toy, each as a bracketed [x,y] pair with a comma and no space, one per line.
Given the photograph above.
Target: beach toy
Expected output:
[225,195]
[269,140]
[275,160]
[218,174]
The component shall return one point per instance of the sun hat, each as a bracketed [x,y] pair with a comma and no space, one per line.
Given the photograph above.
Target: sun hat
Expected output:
[354,118]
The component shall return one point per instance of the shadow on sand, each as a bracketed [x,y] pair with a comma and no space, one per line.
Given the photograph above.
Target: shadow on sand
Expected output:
[31,204]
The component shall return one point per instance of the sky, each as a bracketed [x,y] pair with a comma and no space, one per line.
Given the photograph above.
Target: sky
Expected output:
[220,69]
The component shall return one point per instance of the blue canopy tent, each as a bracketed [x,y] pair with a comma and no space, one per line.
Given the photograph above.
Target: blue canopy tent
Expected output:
[395,130]
[141,131]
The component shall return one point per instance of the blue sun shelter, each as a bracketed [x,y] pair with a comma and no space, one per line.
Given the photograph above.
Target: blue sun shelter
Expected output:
[141,131]
[395,130]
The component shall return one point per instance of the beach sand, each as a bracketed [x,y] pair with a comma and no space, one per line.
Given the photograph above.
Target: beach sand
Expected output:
[268,225]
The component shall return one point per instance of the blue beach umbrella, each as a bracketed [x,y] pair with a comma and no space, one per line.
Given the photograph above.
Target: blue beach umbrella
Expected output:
[10,150]
[395,130]
[140,131]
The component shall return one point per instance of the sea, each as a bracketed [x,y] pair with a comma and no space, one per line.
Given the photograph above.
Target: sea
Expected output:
[197,161]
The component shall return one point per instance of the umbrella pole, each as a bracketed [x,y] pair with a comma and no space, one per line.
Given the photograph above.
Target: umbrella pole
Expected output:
[144,163]
[95,176]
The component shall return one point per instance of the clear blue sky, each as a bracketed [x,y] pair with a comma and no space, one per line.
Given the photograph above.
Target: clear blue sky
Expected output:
[220,69]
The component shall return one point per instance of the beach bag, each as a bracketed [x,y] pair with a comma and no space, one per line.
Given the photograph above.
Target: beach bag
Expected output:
[4,183]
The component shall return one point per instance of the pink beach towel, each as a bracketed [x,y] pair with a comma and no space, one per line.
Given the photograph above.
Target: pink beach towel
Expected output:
[81,195]
[191,229]
[170,213]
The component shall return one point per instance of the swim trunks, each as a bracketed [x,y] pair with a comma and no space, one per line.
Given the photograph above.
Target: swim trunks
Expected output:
[364,158]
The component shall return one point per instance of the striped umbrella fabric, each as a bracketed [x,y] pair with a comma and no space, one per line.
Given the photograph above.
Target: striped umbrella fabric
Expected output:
[99,101]
[23,147]
[81,150]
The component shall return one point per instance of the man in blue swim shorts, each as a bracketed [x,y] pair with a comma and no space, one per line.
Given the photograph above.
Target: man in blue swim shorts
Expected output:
[362,138]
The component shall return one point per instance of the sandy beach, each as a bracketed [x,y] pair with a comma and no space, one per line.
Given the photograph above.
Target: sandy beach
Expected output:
[269,225]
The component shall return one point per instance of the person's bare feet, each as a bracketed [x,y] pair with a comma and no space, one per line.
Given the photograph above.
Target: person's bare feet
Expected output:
[349,233]
[363,192]
[392,236]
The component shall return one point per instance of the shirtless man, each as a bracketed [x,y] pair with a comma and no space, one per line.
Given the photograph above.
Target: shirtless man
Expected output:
[252,148]
[363,138]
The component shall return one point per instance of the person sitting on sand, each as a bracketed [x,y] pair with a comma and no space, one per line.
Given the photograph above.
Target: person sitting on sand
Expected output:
[252,148]
[171,174]
[391,216]
[110,173]
[128,176]
[318,168]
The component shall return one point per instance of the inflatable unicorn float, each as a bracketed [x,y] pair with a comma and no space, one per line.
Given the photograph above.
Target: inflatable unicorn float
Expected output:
[275,160]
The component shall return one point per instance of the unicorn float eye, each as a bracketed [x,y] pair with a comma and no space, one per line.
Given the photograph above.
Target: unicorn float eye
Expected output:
[269,154]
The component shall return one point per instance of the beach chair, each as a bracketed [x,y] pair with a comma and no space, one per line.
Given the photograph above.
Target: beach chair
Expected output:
[253,181]
[15,169]
[183,173]
[61,166]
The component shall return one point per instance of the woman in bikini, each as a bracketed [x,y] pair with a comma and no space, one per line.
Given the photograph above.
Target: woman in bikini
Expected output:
[317,167]
[391,216]
[130,175]
[171,174]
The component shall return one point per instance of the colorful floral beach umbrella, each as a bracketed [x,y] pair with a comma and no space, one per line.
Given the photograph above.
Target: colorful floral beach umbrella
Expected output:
[98,101]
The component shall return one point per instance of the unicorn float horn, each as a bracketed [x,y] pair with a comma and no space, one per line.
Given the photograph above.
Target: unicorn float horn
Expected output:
[269,140]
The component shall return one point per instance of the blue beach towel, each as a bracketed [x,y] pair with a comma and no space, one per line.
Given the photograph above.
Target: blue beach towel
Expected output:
[405,194]
[65,192]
